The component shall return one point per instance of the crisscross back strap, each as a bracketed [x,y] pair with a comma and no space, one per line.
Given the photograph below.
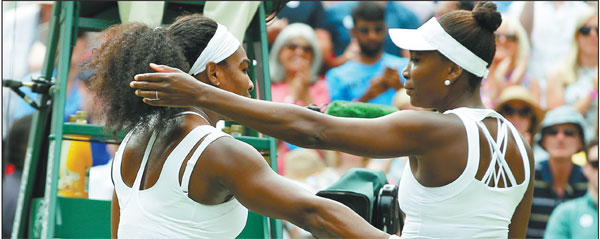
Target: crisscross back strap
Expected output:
[189,167]
[498,149]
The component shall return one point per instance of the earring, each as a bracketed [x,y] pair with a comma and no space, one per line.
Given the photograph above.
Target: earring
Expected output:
[218,83]
[447,82]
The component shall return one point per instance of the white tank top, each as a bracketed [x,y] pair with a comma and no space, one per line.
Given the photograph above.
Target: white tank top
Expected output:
[467,207]
[165,210]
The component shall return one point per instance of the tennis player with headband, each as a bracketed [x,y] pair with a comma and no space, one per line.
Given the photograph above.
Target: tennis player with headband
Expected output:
[175,175]
[470,173]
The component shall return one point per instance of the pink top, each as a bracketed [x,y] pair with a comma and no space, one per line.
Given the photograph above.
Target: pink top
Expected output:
[319,93]
[280,92]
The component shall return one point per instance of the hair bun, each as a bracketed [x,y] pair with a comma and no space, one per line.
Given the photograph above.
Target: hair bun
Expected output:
[487,16]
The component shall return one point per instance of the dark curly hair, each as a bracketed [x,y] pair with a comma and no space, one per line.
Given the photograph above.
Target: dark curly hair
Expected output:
[128,49]
[474,30]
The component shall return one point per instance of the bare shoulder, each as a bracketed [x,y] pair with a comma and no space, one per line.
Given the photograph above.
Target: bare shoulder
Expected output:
[228,155]
[427,122]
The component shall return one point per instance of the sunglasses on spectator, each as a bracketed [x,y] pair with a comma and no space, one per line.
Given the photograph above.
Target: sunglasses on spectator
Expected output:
[509,37]
[553,131]
[365,30]
[594,163]
[586,30]
[523,112]
[294,46]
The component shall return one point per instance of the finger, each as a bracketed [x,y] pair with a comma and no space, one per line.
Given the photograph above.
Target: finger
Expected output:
[164,68]
[152,101]
[152,77]
[145,85]
[150,94]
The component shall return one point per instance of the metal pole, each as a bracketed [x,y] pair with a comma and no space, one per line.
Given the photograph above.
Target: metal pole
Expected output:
[58,109]
[36,133]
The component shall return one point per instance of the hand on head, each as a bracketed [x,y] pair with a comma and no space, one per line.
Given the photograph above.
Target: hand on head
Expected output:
[175,87]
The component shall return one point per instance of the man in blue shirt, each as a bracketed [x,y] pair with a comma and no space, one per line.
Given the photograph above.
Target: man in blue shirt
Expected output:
[578,218]
[372,76]
[340,20]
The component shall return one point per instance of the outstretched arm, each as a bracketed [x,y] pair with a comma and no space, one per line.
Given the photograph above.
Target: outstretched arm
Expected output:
[246,174]
[398,134]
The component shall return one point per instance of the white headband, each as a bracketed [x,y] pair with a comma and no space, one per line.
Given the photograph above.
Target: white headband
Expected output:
[431,36]
[222,45]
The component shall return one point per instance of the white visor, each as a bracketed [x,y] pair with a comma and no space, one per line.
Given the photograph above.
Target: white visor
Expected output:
[431,36]
[222,45]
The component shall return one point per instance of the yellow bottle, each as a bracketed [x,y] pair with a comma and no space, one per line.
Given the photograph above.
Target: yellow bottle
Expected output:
[76,162]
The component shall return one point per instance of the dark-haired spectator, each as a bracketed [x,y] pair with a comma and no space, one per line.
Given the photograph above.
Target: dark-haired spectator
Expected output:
[557,179]
[341,20]
[575,80]
[578,218]
[373,75]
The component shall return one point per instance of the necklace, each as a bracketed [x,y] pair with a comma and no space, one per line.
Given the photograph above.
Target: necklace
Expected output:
[204,117]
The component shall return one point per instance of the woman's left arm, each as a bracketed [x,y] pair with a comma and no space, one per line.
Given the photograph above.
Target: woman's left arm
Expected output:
[520,218]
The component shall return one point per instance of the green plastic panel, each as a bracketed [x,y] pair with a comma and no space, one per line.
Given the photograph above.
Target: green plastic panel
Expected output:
[75,218]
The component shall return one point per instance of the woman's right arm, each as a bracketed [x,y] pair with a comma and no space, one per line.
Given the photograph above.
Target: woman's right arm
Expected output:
[239,168]
[398,134]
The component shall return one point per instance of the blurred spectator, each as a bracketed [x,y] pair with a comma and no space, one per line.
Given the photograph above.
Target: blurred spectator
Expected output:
[20,21]
[510,63]
[518,106]
[549,24]
[14,153]
[307,168]
[310,13]
[578,218]
[444,7]
[295,59]
[341,20]
[557,179]
[372,76]
[575,80]
[424,10]
[502,6]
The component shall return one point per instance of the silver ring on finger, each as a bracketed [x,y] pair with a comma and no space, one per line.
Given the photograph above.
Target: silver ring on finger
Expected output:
[156,91]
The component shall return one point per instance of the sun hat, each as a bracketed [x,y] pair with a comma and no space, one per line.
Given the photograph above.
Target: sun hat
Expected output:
[565,114]
[431,36]
[520,93]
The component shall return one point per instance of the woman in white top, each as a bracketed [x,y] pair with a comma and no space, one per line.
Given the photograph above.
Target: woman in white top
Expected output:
[470,173]
[575,80]
[175,175]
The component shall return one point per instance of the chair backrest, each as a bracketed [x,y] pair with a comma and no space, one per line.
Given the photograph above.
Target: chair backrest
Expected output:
[357,189]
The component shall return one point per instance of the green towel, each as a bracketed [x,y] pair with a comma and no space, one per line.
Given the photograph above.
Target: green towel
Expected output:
[358,109]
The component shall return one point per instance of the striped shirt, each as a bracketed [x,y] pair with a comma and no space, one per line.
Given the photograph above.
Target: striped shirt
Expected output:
[545,199]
